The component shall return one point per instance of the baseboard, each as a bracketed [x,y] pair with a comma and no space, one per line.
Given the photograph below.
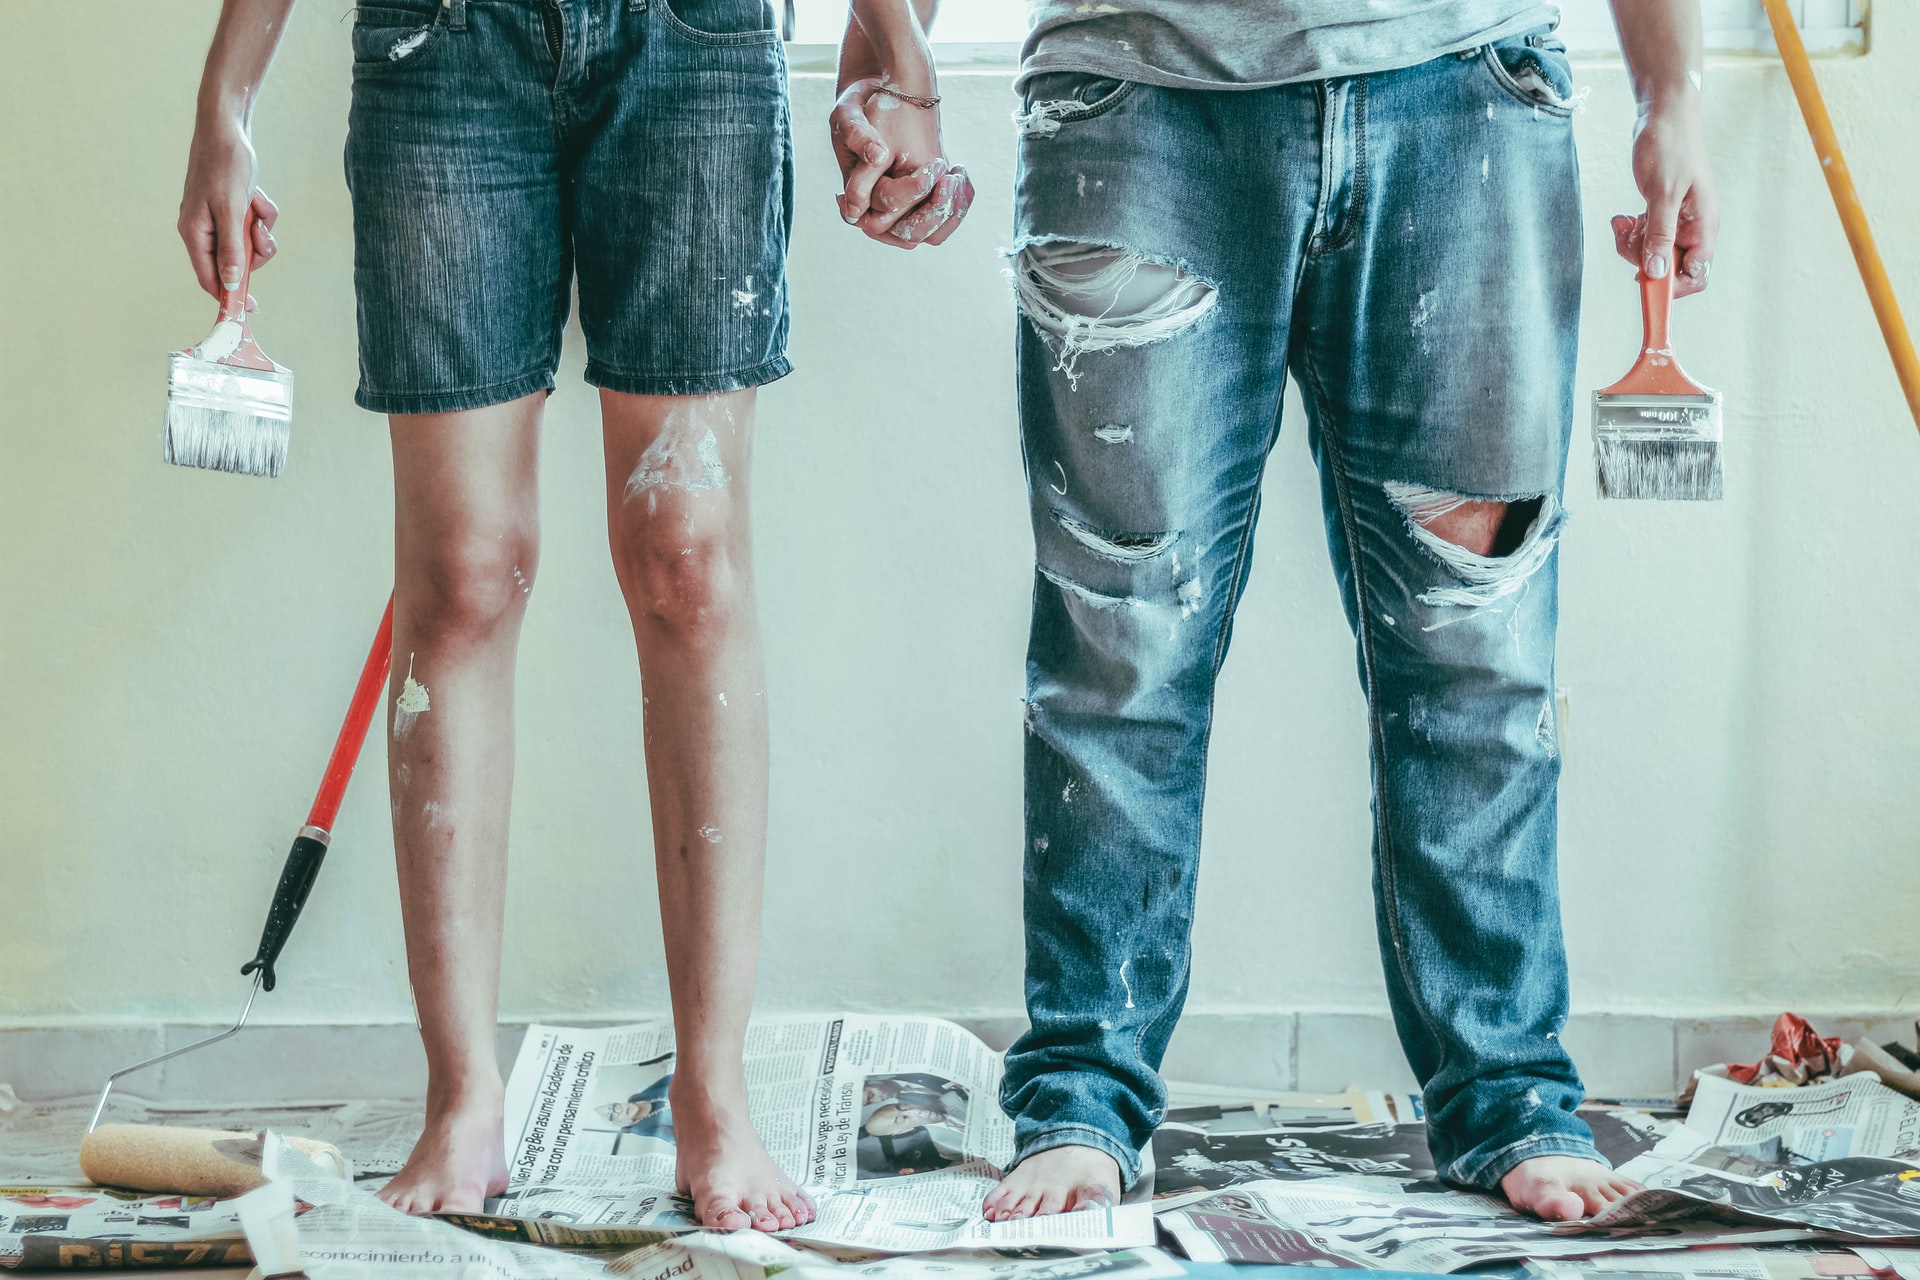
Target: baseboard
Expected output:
[1619,1054]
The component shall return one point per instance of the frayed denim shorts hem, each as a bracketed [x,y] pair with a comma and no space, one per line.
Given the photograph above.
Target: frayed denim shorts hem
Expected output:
[453,401]
[689,384]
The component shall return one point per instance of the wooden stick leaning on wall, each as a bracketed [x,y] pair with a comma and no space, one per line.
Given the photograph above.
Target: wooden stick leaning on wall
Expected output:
[1853,216]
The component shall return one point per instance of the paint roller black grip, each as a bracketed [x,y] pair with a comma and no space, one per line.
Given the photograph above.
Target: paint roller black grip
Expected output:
[296,881]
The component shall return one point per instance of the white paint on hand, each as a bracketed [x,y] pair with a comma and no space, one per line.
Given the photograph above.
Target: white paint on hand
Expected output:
[723,697]
[710,834]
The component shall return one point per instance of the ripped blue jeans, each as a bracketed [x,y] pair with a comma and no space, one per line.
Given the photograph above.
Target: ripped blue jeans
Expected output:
[1408,246]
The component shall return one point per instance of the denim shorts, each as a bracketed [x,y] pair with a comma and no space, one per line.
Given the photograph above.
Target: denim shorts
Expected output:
[500,150]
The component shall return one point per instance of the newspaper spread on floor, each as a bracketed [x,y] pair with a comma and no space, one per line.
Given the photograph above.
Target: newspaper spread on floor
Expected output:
[52,1219]
[1842,1158]
[892,1124]
[1748,1165]
[1811,1261]
[308,1221]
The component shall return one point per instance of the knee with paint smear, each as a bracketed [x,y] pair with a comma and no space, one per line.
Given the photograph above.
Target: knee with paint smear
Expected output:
[464,585]
[681,578]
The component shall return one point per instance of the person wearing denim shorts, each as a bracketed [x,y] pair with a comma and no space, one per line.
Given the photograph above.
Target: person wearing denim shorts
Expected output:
[501,153]
[1383,201]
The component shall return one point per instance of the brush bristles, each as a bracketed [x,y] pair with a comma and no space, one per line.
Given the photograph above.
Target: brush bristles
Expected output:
[225,418]
[226,440]
[1668,470]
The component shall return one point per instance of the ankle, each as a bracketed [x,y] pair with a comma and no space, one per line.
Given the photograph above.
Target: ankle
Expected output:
[707,1096]
[453,1096]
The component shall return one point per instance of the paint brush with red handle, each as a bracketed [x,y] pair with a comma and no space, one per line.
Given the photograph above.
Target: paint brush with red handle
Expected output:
[229,406]
[309,847]
[1656,432]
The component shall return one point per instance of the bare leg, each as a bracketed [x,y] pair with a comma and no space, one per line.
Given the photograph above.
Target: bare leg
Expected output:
[677,518]
[1563,1188]
[465,547]
[1057,1180]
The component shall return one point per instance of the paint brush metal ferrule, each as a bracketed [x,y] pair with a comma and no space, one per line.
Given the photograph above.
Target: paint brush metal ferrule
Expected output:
[1658,417]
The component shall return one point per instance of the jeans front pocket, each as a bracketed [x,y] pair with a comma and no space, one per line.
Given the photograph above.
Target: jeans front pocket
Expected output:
[1535,71]
[720,22]
[395,35]
[1056,98]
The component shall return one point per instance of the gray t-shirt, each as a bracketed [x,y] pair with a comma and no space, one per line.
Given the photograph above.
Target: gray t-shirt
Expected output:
[1249,44]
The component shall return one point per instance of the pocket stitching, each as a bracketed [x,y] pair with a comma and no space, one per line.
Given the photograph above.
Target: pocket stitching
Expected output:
[1504,78]
[717,39]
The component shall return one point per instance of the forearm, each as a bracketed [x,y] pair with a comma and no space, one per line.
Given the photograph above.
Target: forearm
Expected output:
[1661,42]
[243,46]
[888,38]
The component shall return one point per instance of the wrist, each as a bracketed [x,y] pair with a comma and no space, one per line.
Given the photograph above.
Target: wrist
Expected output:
[223,110]
[1665,97]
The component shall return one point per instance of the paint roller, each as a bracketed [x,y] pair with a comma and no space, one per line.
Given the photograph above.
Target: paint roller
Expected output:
[212,1162]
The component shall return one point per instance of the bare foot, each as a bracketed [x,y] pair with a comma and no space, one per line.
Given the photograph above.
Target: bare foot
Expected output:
[457,1163]
[1057,1180]
[724,1168]
[1564,1188]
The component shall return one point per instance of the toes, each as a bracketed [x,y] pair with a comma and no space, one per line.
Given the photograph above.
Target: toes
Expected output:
[1088,1193]
[1559,1206]
[996,1200]
[725,1215]
[762,1217]
[798,1205]
[1018,1204]
[1052,1201]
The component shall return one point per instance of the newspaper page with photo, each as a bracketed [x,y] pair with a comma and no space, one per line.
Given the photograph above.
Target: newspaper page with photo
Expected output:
[892,1124]
[1842,1158]
[1377,1223]
[60,1228]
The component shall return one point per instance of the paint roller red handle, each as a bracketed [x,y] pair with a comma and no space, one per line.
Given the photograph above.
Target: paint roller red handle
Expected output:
[310,846]
[353,734]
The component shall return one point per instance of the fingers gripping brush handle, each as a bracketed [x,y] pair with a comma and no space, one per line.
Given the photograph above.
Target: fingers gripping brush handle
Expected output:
[310,846]
[229,407]
[1656,432]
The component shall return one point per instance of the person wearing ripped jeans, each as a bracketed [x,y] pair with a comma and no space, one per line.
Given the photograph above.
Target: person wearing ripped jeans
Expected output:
[1382,201]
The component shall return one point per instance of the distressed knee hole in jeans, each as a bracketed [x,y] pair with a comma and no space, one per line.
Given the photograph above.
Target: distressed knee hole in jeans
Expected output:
[1512,557]
[1129,548]
[1096,297]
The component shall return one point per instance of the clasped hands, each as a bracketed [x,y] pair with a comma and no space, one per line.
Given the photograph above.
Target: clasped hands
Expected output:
[901,189]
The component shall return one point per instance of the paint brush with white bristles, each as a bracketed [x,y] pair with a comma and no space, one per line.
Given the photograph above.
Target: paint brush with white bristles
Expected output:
[229,407]
[1656,432]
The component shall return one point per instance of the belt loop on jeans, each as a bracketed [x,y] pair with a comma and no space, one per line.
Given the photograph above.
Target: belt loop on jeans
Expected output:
[456,11]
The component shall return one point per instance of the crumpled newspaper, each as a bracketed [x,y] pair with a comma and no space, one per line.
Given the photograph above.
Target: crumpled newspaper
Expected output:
[1800,1055]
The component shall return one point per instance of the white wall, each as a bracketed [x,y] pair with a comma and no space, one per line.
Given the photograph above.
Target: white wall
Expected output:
[176,647]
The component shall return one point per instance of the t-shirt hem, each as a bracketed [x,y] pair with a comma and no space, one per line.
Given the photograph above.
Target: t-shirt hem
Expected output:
[1042,62]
